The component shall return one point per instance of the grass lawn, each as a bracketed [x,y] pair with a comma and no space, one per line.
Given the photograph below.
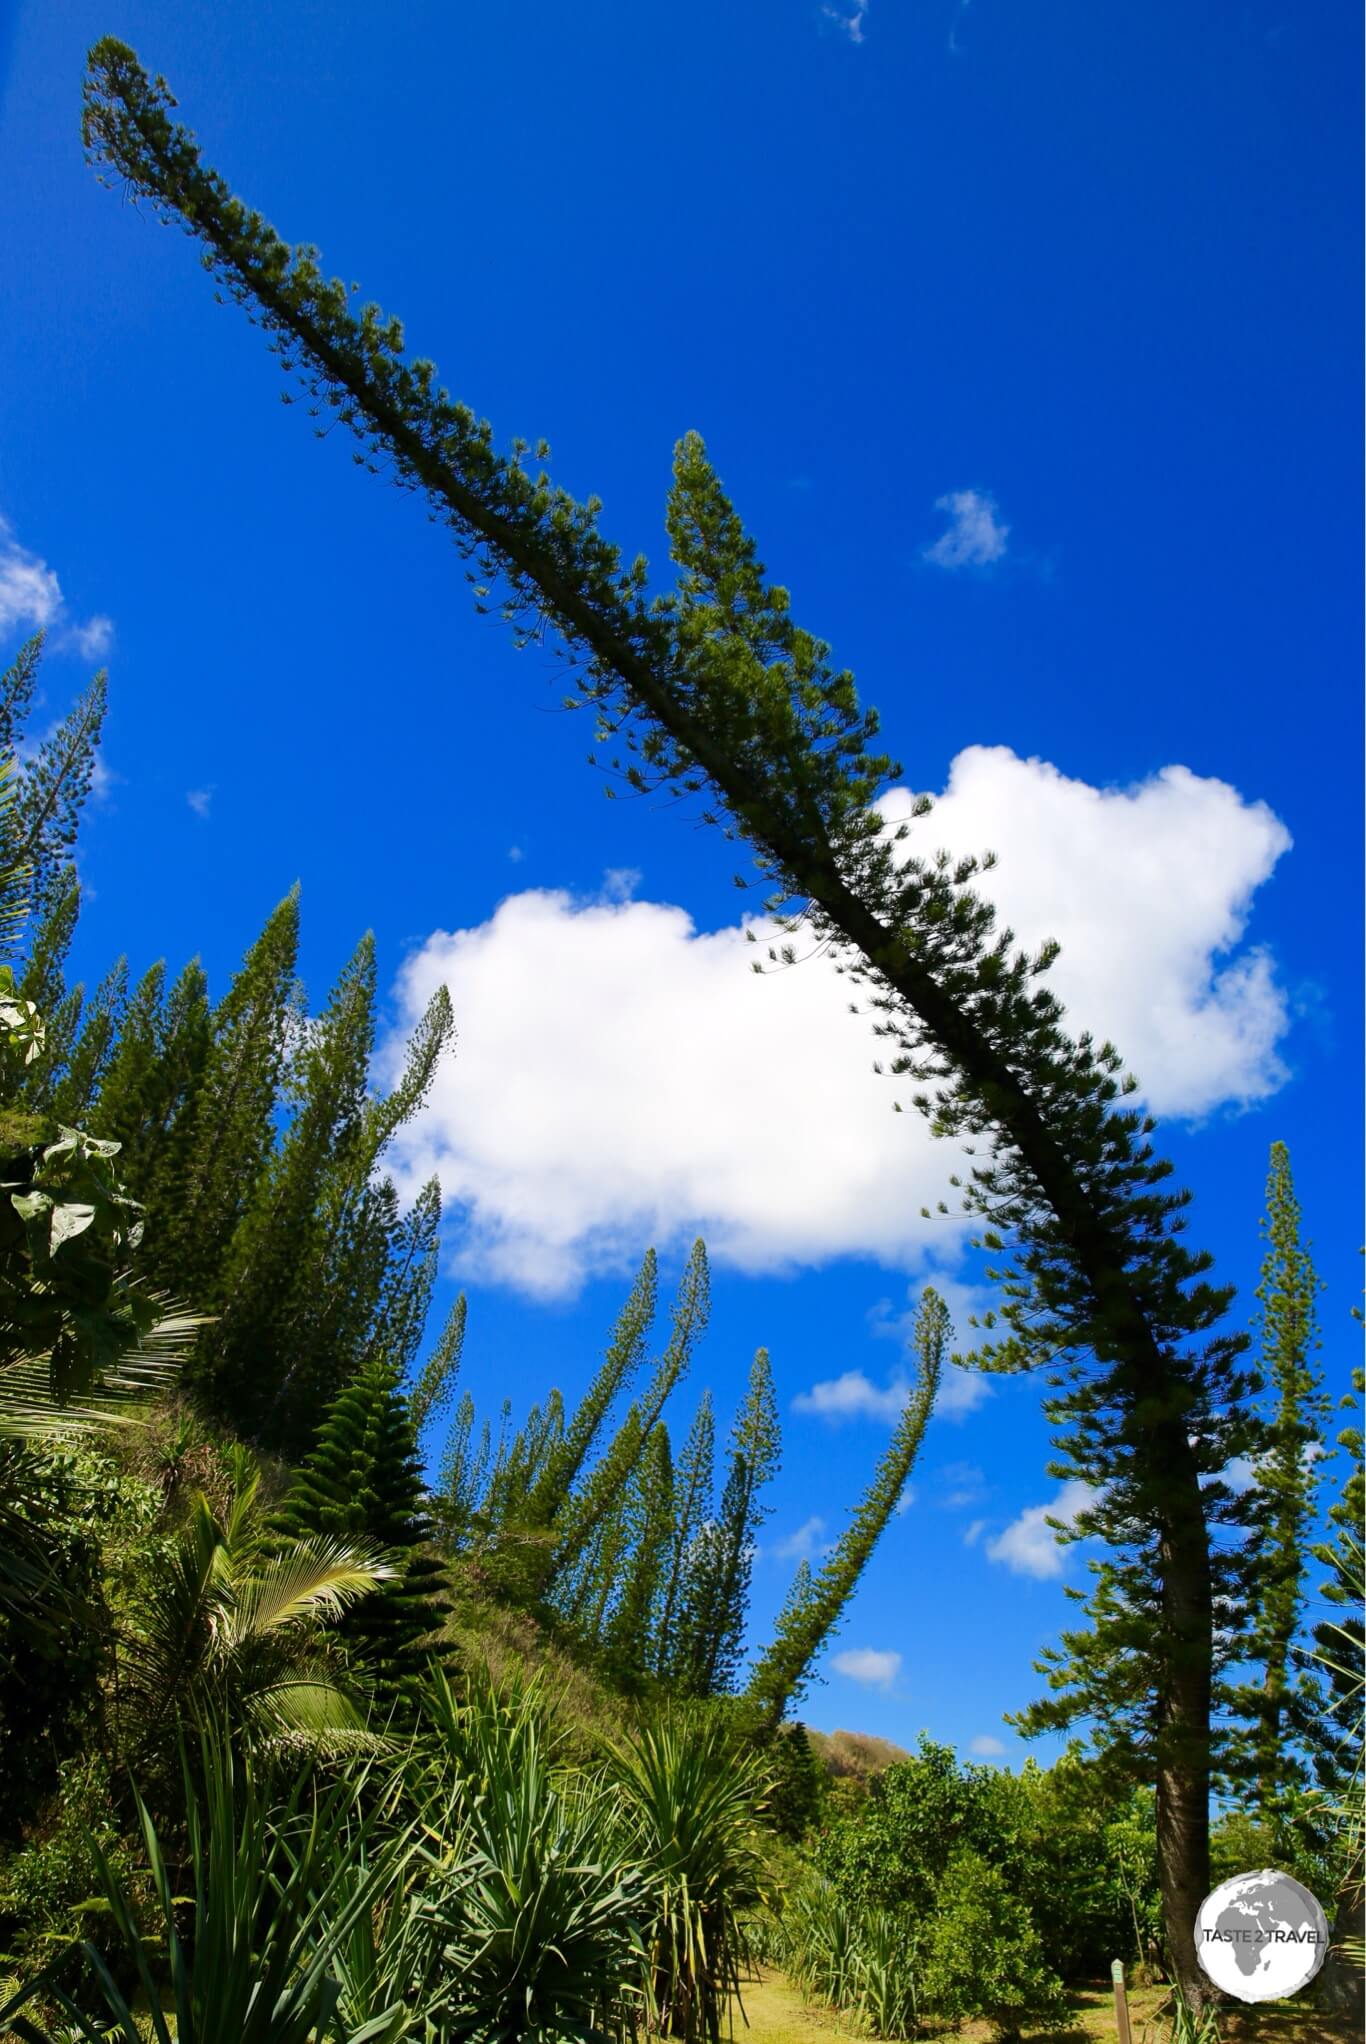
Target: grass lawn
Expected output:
[778,2015]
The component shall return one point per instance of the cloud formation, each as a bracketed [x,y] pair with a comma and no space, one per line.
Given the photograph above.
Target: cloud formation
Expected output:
[868,1666]
[1029,1546]
[976,534]
[850,16]
[31,600]
[624,1078]
[985,1747]
[804,1544]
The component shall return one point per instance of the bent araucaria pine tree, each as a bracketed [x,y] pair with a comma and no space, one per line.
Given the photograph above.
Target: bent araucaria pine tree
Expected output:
[712,689]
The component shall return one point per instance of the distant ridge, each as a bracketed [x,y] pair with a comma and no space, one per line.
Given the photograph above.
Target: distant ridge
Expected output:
[856,1755]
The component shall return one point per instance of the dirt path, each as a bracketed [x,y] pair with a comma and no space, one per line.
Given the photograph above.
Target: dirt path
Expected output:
[777,2015]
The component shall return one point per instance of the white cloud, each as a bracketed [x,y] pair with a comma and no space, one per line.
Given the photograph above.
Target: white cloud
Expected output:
[966,1485]
[1029,1546]
[804,1544]
[1147,889]
[624,1078]
[906,1500]
[850,16]
[973,1532]
[874,1669]
[985,1747]
[93,639]
[30,595]
[31,600]
[854,1396]
[200,800]
[976,535]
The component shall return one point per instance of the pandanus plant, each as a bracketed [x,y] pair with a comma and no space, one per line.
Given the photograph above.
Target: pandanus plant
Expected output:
[249,1913]
[689,1801]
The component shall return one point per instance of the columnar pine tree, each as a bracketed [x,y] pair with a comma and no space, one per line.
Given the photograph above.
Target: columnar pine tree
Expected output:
[52,793]
[149,1093]
[73,1095]
[1277,1703]
[649,1528]
[816,1602]
[362,1482]
[230,1132]
[692,1508]
[399,1319]
[713,689]
[1340,1638]
[433,1390]
[716,1603]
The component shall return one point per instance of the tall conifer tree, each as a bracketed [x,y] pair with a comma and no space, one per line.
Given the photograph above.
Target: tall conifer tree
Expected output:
[713,1621]
[231,1132]
[362,1481]
[1279,1700]
[816,1602]
[714,687]
[434,1388]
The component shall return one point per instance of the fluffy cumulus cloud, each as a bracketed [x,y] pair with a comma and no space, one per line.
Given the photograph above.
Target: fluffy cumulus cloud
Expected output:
[975,536]
[623,1077]
[1029,1545]
[869,1666]
[31,600]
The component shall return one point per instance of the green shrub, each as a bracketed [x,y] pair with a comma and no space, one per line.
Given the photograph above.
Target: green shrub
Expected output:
[983,1956]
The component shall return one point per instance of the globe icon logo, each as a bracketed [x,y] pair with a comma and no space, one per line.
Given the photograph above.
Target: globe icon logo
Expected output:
[1261,1936]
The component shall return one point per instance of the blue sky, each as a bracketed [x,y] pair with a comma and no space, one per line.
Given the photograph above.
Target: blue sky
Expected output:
[1026,339]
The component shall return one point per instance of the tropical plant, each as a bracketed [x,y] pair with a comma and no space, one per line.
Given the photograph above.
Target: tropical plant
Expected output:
[539,1925]
[274,1899]
[222,1628]
[362,1483]
[689,1804]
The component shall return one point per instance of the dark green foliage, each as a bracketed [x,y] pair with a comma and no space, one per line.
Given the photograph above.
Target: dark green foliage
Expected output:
[1277,1701]
[256,1143]
[228,1134]
[982,1955]
[362,1483]
[248,1922]
[711,1623]
[815,1603]
[1340,1638]
[435,1387]
[51,1657]
[74,1094]
[53,791]
[1077,1850]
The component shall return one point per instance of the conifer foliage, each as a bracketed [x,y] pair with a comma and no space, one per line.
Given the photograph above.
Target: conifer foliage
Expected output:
[604,1530]
[1280,1700]
[362,1483]
[712,689]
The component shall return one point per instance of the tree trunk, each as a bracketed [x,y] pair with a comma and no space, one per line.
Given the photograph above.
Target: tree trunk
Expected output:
[1183,1770]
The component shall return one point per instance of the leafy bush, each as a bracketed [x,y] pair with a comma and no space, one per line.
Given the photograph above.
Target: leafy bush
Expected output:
[1080,1852]
[983,1956]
